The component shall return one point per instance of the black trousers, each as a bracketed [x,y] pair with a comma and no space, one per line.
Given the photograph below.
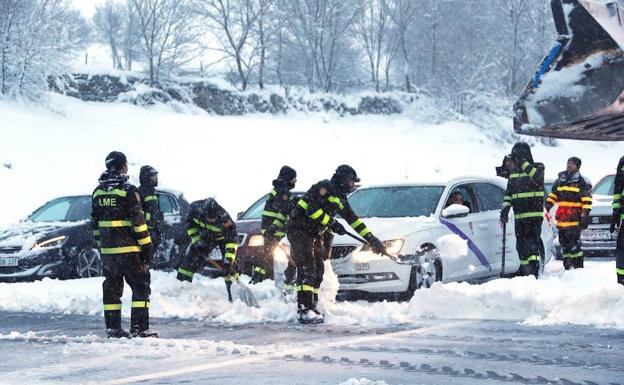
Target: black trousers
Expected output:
[570,240]
[529,245]
[309,252]
[619,257]
[116,269]
[196,258]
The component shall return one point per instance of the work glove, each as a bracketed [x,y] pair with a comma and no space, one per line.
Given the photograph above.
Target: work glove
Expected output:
[504,216]
[337,228]
[616,219]
[584,220]
[147,252]
[376,245]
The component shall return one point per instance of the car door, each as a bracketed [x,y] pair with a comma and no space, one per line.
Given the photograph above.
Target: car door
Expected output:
[491,200]
[172,221]
[474,228]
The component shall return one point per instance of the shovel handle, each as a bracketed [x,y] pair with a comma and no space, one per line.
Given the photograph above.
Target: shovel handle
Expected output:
[364,242]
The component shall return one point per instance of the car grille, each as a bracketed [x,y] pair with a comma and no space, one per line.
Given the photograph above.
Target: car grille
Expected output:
[341,251]
[599,220]
[10,249]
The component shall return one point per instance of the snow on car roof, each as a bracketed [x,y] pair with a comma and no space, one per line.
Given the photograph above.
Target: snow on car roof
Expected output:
[468,178]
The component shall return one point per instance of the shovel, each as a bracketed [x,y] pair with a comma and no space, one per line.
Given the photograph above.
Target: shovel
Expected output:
[244,294]
[364,242]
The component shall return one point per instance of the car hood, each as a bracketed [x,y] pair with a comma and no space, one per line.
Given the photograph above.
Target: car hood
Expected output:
[25,234]
[390,228]
[601,205]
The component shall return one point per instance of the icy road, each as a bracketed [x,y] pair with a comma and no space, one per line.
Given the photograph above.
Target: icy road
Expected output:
[68,347]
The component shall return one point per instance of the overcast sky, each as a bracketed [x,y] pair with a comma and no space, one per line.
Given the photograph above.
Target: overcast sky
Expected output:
[87,7]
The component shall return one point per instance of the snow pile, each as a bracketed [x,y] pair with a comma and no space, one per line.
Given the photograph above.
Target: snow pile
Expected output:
[452,246]
[583,297]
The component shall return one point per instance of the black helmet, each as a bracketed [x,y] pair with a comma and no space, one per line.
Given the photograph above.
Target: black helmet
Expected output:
[522,150]
[287,174]
[341,178]
[146,173]
[345,171]
[576,161]
[210,207]
[115,161]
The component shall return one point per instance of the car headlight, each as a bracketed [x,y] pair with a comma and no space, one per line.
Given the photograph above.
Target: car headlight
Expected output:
[280,254]
[256,241]
[53,242]
[393,246]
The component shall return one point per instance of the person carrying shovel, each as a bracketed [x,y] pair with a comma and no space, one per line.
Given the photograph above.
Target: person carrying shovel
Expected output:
[209,227]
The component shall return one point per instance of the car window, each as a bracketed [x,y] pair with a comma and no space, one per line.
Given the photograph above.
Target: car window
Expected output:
[490,196]
[52,211]
[397,201]
[255,211]
[468,195]
[167,204]
[80,209]
[605,185]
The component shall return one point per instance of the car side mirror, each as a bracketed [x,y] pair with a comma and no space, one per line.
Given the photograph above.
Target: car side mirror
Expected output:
[455,211]
[239,214]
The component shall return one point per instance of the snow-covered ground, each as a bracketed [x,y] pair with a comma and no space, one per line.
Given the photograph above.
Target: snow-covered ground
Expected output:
[583,297]
[235,158]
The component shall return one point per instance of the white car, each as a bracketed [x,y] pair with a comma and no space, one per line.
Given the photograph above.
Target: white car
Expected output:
[429,239]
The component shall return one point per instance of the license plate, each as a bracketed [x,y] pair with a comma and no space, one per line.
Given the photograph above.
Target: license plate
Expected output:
[597,234]
[362,266]
[8,261]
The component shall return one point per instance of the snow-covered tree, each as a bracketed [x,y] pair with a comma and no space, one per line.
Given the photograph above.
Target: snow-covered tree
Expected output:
[37,38]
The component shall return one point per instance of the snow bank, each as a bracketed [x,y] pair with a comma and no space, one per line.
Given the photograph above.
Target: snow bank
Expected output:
[582,297]
[54,154]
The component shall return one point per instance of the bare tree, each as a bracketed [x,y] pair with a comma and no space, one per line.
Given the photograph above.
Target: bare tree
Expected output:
[262,7]
[168,33]
[402,13]
[375,32]
[110,25]
[517,12]
[232,22]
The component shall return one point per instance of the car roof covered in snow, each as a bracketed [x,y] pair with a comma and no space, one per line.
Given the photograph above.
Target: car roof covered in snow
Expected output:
[501,182]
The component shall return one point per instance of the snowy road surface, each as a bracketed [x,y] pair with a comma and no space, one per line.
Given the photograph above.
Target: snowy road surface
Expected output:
[36,350]
[51,333]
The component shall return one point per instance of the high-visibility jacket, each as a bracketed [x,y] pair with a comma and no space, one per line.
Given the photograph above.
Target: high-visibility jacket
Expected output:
[151,207]
[275,213]
[314,212]
[213,227]
[618,188]
[525,191]
[572,195]
[116,219]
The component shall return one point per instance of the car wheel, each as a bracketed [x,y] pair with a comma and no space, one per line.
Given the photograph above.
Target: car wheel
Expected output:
[88,263]
[431,269]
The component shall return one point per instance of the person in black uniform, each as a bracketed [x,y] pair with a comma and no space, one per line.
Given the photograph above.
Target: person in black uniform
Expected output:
[310,229]
[274,218]
[571,192]
[209,226]
[525,193]
[616,221]
[125,246]
[148,177]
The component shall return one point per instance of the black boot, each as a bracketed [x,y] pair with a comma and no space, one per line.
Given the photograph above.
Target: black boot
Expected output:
[112,318]
[139,322]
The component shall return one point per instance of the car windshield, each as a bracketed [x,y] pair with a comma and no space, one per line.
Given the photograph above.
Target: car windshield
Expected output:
[605,185]
[255,211]
[399,201]
[68,209]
